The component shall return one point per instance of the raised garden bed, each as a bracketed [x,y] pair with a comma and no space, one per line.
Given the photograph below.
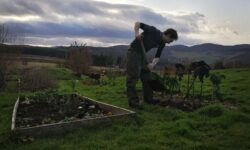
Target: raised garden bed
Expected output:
[44,115]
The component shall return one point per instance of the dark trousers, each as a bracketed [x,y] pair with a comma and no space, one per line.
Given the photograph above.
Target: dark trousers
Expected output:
[136,68]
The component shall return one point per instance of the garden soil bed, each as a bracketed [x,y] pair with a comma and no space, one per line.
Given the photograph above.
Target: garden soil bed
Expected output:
[55,114]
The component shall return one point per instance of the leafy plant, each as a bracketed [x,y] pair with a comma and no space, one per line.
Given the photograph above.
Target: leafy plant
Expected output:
[191,71]
[198,70]
[202,71]
[216,80]
[180,70]
[172,84]
[157,83]
[165,84]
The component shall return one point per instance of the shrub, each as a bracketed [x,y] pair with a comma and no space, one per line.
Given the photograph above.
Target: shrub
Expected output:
[216,80]
[219,65]
[79,59]
[37,79]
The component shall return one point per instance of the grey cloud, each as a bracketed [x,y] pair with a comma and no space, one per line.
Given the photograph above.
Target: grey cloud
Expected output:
[19,8]
[77,8]
[188,23]
[45,29]
[89,19]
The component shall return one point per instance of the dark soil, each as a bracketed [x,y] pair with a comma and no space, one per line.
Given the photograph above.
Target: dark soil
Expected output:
[191,103]
[187,104]
[42,109]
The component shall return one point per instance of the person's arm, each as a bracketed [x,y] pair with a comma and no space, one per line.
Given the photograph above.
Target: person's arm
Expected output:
[159,51]
[157,57]
[146,28]
[137,30]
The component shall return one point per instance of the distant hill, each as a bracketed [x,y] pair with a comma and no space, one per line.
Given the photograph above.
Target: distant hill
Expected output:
[178,53]
[208,52]
[59,52]
[171,54]
[243,59]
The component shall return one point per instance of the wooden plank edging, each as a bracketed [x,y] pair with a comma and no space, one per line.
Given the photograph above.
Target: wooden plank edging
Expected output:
[13,120]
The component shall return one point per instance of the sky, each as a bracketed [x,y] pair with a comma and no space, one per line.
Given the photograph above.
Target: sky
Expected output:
[111,22]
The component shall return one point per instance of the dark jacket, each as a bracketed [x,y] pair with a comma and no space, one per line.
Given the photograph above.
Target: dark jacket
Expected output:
[152,38]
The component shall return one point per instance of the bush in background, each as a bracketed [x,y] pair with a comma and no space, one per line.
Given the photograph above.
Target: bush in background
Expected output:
[7,55]
[37,79]
[79,59]
[219,65]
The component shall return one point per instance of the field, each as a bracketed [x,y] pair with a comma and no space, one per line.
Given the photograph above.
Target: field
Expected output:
[214,127]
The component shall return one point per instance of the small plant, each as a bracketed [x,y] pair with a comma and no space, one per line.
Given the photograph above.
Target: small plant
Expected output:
[165,84]
[112,75]
[95,76]
[157,83]
[180,70]
[198,69]
[203,71]
[191,69]
[172,84]
[216,80]
[74,83]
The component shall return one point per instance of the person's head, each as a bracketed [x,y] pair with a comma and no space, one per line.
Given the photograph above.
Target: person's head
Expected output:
[170,35]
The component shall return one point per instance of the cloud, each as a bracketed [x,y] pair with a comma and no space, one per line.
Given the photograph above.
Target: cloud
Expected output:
[187,22]
[94,22]
[46,29]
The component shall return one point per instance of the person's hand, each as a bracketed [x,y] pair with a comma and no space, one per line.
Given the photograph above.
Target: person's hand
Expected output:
[155,60]
[138,36]
[150,66]
[153,63]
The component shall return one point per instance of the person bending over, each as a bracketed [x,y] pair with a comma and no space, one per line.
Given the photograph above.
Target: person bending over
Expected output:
[151,37]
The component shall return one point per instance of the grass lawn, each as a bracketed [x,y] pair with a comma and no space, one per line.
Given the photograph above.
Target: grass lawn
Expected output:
[212,127]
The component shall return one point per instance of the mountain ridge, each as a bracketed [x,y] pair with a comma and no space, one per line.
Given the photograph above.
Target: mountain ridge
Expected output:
[173,53]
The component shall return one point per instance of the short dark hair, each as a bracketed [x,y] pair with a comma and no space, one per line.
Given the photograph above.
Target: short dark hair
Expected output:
[172,32]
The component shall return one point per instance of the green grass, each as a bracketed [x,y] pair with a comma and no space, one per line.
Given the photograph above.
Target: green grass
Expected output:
[62,73]
[212,127]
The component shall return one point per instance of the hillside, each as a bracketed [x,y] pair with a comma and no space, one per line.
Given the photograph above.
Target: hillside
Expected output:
[176,53]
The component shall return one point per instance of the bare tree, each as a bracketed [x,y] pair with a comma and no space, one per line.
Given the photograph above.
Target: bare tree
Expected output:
[3,34]
[7,56]
[3,62]
[79,59]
